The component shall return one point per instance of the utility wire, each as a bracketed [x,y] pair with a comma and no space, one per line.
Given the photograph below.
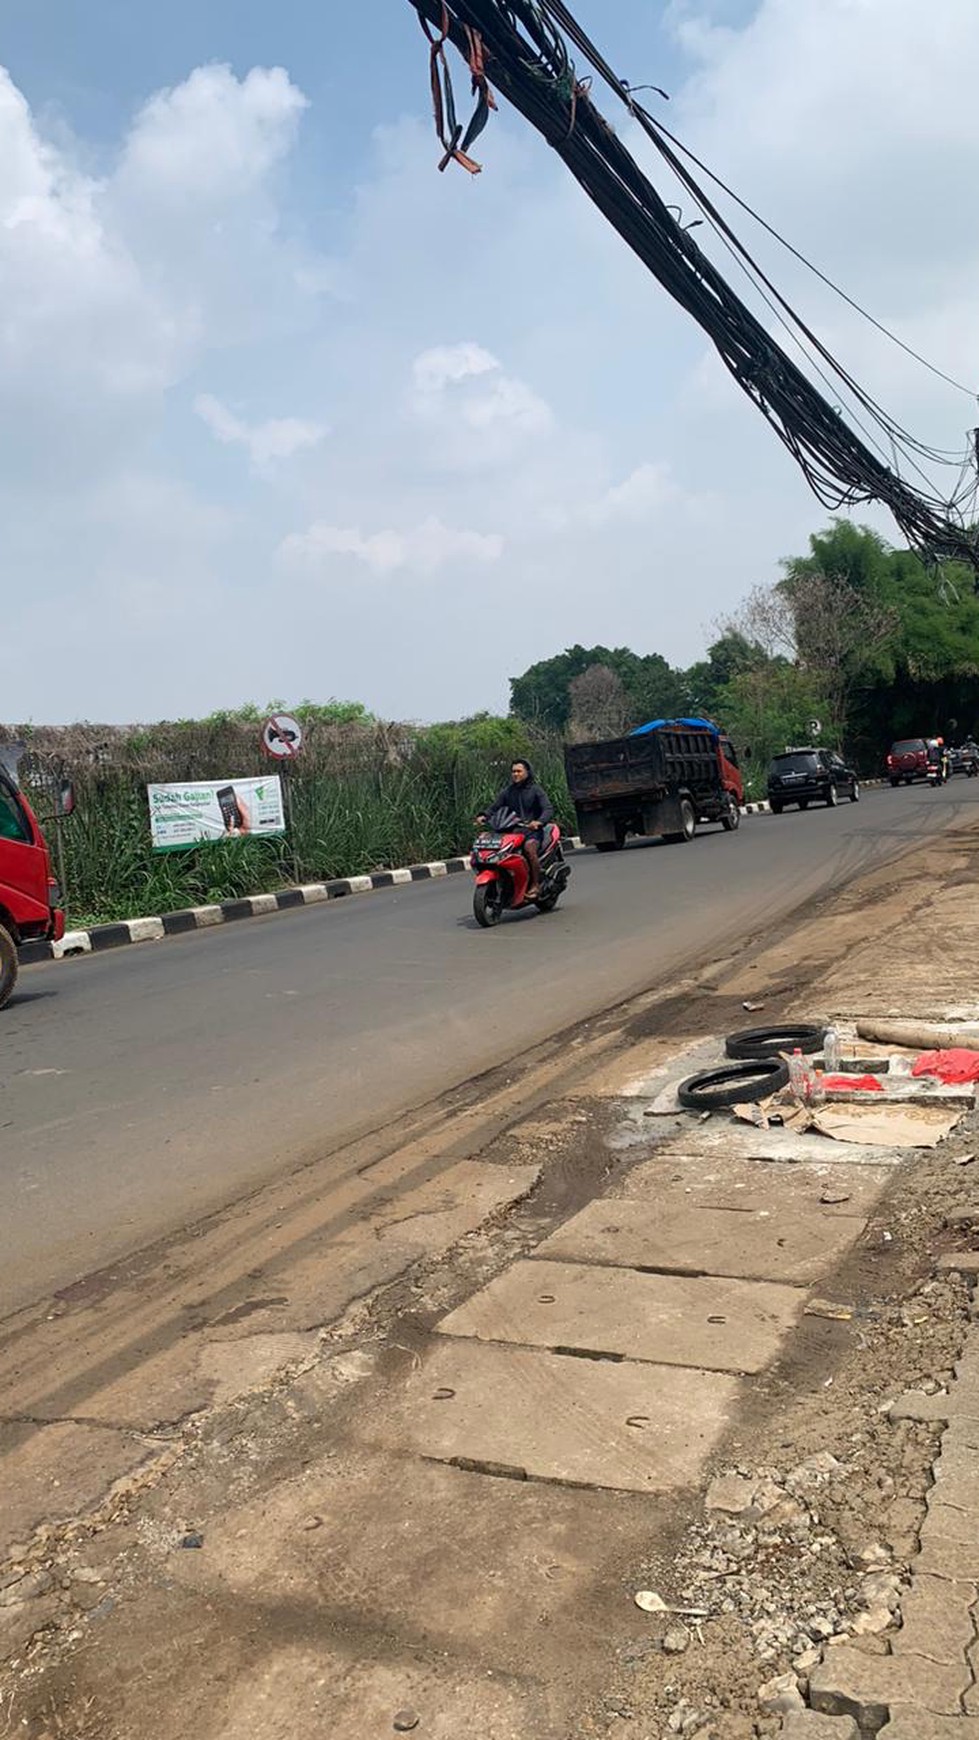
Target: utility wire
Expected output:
[626,93]
[519,46]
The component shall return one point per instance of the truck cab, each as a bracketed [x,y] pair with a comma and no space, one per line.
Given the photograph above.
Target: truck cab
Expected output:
[30,899]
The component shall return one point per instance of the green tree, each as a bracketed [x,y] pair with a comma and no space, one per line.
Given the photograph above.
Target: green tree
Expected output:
[705,683]
[542,695]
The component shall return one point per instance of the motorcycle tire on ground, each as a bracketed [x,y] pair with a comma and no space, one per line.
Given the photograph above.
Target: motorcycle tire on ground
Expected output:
[772,1041]
[733,1084]
[488,904]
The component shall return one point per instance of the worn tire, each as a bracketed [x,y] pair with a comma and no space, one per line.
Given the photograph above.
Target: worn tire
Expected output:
[733,1083]
[688,824]
[755,1042]
[488,904]
[9,966]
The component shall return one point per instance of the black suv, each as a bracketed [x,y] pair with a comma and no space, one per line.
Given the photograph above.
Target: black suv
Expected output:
[805,776]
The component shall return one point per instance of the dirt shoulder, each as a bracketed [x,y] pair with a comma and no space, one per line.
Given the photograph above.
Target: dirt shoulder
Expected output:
[397,1454]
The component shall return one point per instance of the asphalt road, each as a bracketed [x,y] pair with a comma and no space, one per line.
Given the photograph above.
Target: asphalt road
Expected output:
[140,1088]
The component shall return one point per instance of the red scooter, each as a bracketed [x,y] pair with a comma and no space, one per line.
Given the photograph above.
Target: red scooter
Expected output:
[503,872]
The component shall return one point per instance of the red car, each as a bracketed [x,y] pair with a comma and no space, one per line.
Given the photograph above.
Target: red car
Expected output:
[30,899]
[907,759]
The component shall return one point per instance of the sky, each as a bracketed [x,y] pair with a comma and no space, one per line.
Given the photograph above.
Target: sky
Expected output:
[287,414]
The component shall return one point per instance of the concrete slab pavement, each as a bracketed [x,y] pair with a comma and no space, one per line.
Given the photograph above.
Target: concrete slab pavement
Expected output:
[753,1242]
[508,1410]
[711,1324]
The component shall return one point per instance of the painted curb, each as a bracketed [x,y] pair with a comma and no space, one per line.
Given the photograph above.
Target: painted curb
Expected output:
[153,929]
[133,930]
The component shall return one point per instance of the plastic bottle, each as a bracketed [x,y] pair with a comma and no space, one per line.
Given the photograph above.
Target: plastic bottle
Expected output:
[831,1050]
[800,1080]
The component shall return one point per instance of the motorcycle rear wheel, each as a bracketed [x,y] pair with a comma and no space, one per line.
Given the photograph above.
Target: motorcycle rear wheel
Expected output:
[547,902]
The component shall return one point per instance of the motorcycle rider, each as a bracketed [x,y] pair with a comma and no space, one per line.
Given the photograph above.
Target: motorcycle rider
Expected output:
[531,805]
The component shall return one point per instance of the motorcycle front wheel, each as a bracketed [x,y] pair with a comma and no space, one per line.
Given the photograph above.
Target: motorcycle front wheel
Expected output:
[488,904]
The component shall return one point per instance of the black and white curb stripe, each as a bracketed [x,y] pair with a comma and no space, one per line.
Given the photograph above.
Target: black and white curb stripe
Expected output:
[135,930]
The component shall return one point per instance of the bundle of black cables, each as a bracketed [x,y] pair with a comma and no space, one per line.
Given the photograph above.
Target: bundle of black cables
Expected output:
[520,47]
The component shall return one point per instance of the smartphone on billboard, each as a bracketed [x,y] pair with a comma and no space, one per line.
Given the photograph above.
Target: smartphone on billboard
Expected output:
[231,814]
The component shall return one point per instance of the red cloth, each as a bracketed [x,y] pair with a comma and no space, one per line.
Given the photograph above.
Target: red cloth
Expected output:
[866,1083]
[949,1066]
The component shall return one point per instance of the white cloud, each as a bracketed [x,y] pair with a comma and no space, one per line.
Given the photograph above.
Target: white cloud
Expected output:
[638,498]
[448,364]
[425,548]
[279,438]
[213,136]
[499,405]
[578,450]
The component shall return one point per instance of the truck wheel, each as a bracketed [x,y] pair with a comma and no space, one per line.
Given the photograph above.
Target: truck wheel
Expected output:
[731,818]
[688,819]
[8,966]
[688,825]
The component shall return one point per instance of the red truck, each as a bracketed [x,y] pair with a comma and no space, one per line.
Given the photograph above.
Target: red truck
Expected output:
[30,899]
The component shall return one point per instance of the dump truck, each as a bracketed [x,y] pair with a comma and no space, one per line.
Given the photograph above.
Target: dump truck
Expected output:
[663,779]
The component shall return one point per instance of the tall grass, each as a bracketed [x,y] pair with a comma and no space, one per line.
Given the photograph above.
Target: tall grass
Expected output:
[361,800]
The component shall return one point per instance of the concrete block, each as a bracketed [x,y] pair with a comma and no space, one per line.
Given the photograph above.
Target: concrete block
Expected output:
[866,1686]
[936,1620]
[910,1723]
[945,1522]
[964,1263]
[955,1560]
[752,1243]
[711,1324]
[810,1725]
[586,1422]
